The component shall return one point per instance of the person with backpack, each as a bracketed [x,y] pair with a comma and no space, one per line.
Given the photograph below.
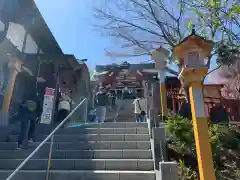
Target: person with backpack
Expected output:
[29,112]
[101,102]
[140,108]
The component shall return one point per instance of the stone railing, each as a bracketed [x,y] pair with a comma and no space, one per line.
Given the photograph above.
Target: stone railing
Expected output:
[165,170]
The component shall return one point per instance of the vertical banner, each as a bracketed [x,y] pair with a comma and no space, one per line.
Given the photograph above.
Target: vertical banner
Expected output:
[48,104]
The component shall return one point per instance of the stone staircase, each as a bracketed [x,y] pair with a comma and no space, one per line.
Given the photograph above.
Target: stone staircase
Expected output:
[126,111]
[108,151]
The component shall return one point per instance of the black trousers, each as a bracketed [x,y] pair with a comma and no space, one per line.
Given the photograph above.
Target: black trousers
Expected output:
[62,114]
[24,128]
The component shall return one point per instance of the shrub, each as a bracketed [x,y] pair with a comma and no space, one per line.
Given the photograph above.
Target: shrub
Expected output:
[180,134]
[224,141]
[187,173]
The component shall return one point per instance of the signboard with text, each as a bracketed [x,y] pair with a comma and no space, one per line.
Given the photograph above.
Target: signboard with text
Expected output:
[48,104]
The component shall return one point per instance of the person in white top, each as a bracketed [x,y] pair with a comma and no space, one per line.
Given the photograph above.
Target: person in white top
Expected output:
[64,107]
[140,108]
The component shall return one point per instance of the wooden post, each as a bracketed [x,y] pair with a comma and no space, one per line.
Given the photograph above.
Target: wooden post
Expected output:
[200,124]
[15,68]
[163,94]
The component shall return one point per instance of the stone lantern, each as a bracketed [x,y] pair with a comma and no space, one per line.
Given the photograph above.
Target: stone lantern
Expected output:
[192,52]
[160,57]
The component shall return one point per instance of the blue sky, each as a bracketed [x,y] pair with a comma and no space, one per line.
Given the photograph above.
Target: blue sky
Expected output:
[71,23]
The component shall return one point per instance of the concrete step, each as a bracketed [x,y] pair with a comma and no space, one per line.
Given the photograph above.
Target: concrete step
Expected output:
[15,128]
[82,130]
[89,137]
[80,164]
[84,145]
[78,154]
[46,129]
[117,125]
[81,175]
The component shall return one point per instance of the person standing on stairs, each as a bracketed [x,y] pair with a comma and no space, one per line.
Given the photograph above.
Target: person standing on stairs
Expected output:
[101,102]
[140,108]
[29,112]
[64,107]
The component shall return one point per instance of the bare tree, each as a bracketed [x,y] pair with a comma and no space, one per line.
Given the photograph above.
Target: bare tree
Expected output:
[143,24]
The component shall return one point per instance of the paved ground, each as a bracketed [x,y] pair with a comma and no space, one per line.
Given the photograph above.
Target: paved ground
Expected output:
[123,111]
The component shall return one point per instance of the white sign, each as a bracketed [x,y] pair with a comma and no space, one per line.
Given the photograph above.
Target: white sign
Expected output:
[47,106]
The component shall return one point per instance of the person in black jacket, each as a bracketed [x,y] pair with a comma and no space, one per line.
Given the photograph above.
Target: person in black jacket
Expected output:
[29,111]
[218,114]
[185,110]
[101,102]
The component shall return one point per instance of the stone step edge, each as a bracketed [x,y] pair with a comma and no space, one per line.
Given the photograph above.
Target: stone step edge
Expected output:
[108,123]
[84,150]
[81,128]
[83,171]
[114,123]
[80,159]
[91,128]
[88,134]
[78,142]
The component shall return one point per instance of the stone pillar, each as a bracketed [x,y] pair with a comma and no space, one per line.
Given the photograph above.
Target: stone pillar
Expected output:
[163,95]
[159,142]
[168,171]
[15,68]
[153,105]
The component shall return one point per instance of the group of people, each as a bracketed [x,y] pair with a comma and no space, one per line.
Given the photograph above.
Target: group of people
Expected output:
[102,101]
[30,111]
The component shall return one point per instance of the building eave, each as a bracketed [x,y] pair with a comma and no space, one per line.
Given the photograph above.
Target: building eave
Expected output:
[28,15]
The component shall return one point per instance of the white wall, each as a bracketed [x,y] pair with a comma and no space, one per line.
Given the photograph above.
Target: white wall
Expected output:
[31,46]
[15,34]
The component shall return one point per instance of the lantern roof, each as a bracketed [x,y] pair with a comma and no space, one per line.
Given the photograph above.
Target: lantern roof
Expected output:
[162,50]
[159,51]
[193,41]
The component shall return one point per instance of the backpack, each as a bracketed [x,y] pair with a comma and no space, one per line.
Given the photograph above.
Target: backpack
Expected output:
[31,105]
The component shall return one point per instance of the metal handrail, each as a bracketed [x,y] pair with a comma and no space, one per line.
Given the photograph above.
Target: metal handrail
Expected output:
[44,141]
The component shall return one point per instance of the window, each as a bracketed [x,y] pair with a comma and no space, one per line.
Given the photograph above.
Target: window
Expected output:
[15,34]
[193,59]
[31,46]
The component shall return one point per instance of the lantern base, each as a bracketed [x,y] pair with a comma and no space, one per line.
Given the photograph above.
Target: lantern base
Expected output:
[160,65]
[192,75]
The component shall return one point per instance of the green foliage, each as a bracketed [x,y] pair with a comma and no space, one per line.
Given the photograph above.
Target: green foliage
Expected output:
[180,133]
[190,25]
[234,10]
[224,142]
[226,53]
[187,173]
[217,20]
